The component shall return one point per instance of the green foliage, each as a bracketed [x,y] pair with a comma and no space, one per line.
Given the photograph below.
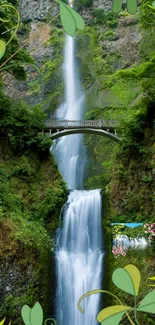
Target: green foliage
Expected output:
[82,4]
[105,18]
[147,14]
[31,190]
[130,167]
[20,126]
[32,234]
[99,15]
[117,230]
[109,34]
[15,65]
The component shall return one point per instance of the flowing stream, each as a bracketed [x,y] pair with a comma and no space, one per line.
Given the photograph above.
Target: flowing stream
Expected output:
[79,253]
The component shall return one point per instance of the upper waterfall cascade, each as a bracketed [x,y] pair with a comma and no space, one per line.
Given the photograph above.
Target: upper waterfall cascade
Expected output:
[67,150]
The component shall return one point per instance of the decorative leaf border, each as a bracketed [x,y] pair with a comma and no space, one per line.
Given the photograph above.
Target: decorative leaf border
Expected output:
[70,20]
[127,279]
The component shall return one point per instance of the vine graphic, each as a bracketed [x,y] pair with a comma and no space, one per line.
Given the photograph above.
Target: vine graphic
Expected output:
[127,279]
[70,20]
[3,44]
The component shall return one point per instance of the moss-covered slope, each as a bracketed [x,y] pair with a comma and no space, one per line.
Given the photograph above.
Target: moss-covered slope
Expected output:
[123,89]
[32,193]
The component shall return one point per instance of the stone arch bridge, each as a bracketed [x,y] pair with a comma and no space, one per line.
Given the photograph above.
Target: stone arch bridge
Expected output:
[60,128]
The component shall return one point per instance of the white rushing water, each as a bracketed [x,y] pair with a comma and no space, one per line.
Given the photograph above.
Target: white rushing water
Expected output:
[79,258]
[78,254]
[69,150]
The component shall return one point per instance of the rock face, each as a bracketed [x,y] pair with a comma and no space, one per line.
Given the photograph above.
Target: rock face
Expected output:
[33,16]
[34,10]
[19,275]
[103,4]
[47,51]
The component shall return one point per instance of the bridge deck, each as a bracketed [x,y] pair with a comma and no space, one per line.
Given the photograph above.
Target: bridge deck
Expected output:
[95,124]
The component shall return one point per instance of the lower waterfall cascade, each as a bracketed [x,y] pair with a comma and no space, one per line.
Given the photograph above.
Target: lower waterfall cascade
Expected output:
[79,258]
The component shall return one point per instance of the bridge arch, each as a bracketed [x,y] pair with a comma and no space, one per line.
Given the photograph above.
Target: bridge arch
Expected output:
[65,132]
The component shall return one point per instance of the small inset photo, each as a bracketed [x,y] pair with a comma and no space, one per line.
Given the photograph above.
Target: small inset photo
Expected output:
[132,236]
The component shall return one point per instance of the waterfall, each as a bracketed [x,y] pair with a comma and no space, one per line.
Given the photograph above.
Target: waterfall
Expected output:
[69,151]
[79,258]
[135,243]
[79,252]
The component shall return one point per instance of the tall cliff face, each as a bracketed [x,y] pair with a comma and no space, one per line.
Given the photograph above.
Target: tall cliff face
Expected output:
[45,50]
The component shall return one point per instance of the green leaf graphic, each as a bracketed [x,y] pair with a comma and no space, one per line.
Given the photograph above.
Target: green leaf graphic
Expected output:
[67,20]
[148,303]
[127,279]
[36,315]
[80,24]
[117,6]
[2,48]
[25,313]
[135,276]
[153,4]
[132,6]
[112,315]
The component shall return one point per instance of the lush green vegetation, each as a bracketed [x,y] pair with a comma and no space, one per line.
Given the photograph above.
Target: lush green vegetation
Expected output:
[105,18]
[31,196]
[31,189]
[127,170]
[83,3]
[15,65]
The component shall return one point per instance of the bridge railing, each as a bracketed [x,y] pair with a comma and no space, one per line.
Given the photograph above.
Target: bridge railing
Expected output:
[67,124]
